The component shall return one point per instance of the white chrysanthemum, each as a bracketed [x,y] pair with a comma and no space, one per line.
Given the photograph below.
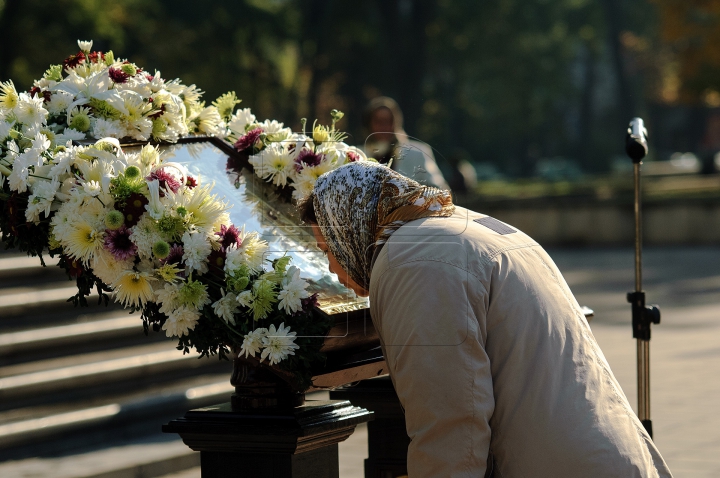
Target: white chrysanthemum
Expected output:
[250,253]
[31,157]
[305,180]
[107,268]
[293,291]
[180,321]
[273,164]
[5,128]
[18,179]
[204,210]
[196,249]
[83,240]
[59,102]
[167,297]
[8,96]
[239,121]
[245,298]
[133,288]
[252,343]
[145,234]
[278,344]
[189,94]
[108,129]
[30,110]
[210,122]
[226,307]
[41,199]
[68,134]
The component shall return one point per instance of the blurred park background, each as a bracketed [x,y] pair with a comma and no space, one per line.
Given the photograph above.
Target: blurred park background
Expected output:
[535,95]
[519,88]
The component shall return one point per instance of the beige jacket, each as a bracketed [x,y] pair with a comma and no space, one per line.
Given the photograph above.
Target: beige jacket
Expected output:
[490,352]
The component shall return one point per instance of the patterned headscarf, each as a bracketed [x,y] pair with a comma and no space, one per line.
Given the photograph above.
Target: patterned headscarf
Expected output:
[359,205]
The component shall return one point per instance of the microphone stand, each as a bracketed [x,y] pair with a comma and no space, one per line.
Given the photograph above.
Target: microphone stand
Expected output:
[642,315]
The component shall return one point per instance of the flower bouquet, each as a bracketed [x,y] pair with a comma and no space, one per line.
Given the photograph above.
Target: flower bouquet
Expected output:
[139,228]
[291,162]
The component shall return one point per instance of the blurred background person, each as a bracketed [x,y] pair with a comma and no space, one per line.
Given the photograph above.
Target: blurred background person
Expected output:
[388,141]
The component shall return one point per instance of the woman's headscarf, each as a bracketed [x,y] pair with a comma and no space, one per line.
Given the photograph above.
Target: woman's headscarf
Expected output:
[359,205]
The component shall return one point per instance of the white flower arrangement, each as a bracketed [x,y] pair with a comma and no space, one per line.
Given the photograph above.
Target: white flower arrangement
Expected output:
[291,160]
[141,228]
[94,95]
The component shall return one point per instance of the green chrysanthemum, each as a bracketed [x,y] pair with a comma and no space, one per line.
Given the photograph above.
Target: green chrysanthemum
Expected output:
[193,294]
[264,297]
[161,249]
[172,227]
[109,58]
[226,104]
[129,69]
[114,219]
[54,73]
[104,110]
[132,172]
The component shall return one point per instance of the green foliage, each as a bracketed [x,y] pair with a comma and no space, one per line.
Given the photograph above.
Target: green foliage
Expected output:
[510,81]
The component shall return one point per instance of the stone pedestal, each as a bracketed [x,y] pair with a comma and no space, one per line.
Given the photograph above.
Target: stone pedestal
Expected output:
[387,440]
[301,442]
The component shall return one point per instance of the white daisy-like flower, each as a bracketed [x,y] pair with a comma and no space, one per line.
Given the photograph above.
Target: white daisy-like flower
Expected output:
[278,344]
[293,291]
[274,163]
[210,122]
[30,110]
[253,342]
[5,128]
[68,134]
[250,253]
[41,200]
[59,102]
[108,129]
[83,239]
[167,297]
[107,268]
[196,249]
[245,298]
[18,179]
[239,121]
[305,180]
[180,321]
[226,307]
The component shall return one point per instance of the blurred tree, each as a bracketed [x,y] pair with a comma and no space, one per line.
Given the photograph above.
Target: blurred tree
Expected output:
[510,81]
[690,34]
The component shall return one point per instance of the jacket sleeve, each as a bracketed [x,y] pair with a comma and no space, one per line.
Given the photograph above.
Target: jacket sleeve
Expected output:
[431,319]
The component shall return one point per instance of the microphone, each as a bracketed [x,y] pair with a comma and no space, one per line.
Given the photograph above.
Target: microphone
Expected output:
[636,142]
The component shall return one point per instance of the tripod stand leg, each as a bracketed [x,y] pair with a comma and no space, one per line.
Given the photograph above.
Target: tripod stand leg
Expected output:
[643,377]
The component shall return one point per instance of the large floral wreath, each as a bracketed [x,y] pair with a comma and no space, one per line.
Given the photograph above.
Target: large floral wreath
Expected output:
[141,228]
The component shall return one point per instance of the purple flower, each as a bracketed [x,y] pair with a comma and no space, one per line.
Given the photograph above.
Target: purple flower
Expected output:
[175,256]
[248,139]
[230,235]
[118,243]
[308,303]
[117,75]
[352,156]
[307,158]
[167,180]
